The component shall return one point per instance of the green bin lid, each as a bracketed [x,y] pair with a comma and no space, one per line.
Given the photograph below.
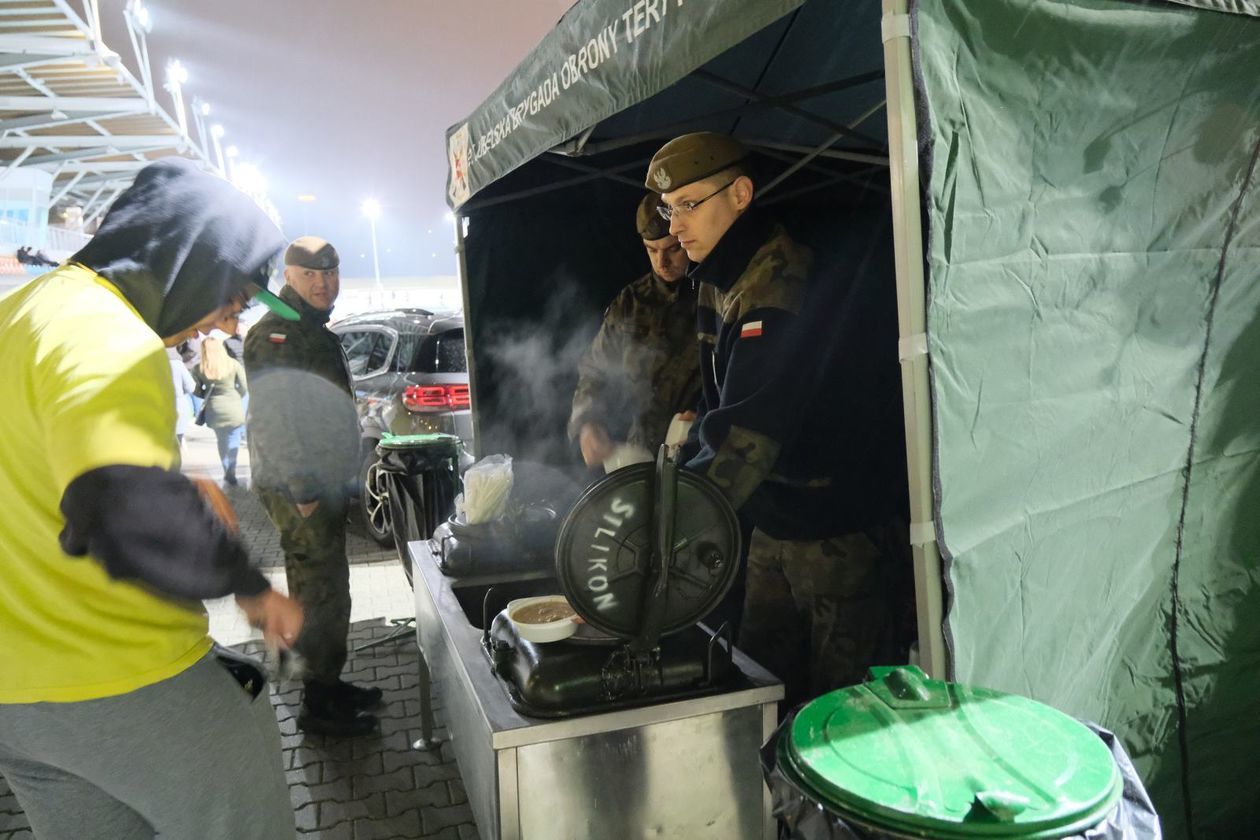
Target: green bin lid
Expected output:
[415,441]
[928,758]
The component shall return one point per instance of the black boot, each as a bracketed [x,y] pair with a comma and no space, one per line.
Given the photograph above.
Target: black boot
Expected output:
[325,712]
[359,697]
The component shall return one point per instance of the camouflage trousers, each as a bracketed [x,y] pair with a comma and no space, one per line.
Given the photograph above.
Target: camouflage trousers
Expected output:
[318,573]
[818,613]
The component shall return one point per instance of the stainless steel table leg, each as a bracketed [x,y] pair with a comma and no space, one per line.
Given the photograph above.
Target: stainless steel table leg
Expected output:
[427,740]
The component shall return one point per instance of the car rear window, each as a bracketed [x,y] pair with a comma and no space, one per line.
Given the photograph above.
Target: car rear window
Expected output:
[366,351]
[441,353]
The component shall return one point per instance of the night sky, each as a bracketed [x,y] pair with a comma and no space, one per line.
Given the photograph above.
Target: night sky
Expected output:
[345,100]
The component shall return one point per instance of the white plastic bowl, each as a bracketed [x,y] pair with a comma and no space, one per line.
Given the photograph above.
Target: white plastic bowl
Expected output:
[547,631]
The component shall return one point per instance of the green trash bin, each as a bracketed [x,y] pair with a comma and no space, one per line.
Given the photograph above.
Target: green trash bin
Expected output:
[422,474]
[905,756]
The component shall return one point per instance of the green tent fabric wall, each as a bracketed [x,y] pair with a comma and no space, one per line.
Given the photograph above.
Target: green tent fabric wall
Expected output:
[1094,325]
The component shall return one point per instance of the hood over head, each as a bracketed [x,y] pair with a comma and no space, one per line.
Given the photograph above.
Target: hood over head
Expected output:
[179,243]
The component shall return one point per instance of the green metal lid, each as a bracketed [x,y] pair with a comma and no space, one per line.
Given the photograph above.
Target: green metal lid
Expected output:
[927,758]
[389,441]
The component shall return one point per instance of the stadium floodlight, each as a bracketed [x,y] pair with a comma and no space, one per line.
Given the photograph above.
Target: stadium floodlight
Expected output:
[141,15]
[176,73]
[371,209]
[249,179]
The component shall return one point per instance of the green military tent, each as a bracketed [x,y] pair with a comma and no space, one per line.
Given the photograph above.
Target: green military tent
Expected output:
[1069,191]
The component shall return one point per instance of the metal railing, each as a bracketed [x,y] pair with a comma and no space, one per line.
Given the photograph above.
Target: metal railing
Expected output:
[56,242]
[62,242]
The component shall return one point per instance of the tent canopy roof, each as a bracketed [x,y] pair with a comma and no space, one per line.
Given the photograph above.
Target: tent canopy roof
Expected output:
[784,76]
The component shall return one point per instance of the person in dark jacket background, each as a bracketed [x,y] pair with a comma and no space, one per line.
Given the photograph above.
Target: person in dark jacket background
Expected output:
[116,719]
[304,455]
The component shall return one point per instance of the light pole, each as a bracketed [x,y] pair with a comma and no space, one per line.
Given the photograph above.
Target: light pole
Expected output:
[216,135]
[176,77]
[201,110]
[306,200]
[372,209]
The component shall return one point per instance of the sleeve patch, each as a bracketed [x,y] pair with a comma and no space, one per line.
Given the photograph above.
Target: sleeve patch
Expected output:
[277,338]
[750,330]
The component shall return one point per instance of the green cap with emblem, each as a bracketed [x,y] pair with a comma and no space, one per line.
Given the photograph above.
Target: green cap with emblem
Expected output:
[648,222]
[692,157]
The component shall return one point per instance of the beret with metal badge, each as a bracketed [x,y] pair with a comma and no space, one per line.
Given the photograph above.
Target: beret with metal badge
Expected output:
[692,157]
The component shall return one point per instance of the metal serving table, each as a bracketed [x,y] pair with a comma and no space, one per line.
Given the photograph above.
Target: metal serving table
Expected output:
[682,769]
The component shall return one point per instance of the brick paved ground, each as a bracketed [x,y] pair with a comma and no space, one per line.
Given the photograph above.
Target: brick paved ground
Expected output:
[351,789]
[378,787]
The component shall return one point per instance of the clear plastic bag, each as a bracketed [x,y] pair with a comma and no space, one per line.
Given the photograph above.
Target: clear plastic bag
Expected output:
[625,454]
[487,487]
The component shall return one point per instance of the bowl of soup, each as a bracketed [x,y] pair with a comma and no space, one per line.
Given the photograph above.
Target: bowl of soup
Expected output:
[546,618]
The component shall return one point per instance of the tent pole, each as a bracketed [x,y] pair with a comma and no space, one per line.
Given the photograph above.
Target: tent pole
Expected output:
[912,322]
[760,99]
[461,262]
[761,103]
[818,150]
[855,155]
[830,181]
[832,176]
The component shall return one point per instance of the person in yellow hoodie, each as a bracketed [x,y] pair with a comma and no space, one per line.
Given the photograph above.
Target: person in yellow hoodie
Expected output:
[117,718]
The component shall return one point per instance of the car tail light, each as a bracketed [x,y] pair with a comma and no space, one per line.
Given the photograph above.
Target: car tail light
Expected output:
[421,398]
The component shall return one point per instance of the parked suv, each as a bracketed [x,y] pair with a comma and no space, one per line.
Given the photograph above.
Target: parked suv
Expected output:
[410,377]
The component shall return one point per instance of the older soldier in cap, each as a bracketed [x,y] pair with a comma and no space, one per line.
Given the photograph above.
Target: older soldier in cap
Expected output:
[304,449]
[643,366]
[816,609]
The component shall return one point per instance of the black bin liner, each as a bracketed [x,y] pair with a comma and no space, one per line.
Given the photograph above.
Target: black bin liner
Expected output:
[802,817]
[522,540]
[423,480]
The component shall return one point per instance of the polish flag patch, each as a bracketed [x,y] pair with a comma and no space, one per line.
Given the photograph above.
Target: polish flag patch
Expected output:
[277,338]
[750,330]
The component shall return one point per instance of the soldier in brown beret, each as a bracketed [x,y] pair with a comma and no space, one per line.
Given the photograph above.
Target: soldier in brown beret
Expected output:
[814,610]
[304,444]
[643,366]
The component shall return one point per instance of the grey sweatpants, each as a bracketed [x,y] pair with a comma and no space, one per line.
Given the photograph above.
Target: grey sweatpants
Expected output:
[192,757]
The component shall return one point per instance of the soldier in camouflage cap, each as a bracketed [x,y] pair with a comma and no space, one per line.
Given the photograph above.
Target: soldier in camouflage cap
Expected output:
[812,587]
[304,445]
[643,366]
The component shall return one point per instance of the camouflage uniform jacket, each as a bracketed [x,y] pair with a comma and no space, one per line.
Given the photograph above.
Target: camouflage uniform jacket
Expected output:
[303,429]
[753,364]
[643,366]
